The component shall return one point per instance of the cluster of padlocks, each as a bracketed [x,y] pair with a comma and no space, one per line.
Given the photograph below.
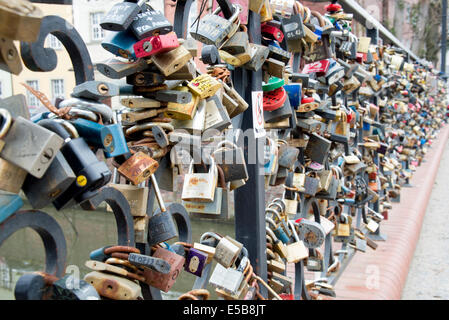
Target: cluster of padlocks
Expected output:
[347,122]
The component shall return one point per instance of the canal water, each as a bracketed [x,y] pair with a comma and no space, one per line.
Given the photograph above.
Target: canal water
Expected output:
[84,231]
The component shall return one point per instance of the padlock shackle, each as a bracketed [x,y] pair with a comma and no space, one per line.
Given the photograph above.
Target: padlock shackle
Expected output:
[69,127]
[84,114]
[293,228]
[158,194]
[5,123]
[55,127]
[210,235]
[104,110]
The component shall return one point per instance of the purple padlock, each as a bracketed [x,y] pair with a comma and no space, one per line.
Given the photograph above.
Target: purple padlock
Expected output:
[195,262]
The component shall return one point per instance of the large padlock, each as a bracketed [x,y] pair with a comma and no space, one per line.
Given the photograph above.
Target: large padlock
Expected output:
[138,168]
[20,20]
[113,287]
[227,251]
[287,155]
[318,148]
[196,124]
[172,61]
[229,280]
[217,118]
[311,233]
[91,174]
[137,198]
[215,30]
[183,111]
[122,15]
[161,226]
[110,138]
[200,187]
[150,23]
[58,178]
[120,44]
[285,112]
[30,146]
[162,281]
[232,160]
[238,43]
[212,208]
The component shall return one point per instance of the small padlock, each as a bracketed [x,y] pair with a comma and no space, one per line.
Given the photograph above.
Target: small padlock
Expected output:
[172,61]
[155,45]
[122,15]
[150,23]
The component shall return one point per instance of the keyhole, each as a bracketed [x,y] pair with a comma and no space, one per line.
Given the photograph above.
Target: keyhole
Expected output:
[108,140]
[11,54]
[47,156]
[147,46]
[103,89]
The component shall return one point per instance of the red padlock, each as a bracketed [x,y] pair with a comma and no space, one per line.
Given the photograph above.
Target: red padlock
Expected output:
[273,100]
[333,7]
[361,57]
[157,44]
[317,67]
[271,32]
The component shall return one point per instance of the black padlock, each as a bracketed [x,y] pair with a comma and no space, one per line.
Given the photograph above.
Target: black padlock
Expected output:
[318,148]
[150,23]
[285,112]
[120,17]
[91,174]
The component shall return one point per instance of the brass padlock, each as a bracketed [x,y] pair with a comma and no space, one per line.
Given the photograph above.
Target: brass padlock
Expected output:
[20,20]
[172,61]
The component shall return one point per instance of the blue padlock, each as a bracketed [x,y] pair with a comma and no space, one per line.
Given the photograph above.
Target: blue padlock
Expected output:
[9,204]
[318,31]
[121,44]
[278,231]
[119,145]
[366,126]
[109,138]
[294,92]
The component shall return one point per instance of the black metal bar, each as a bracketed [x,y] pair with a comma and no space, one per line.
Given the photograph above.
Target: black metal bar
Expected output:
[250,199]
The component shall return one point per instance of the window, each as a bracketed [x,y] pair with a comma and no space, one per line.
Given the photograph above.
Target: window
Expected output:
[53,42]
[33,102]
[97,31]
[57,89]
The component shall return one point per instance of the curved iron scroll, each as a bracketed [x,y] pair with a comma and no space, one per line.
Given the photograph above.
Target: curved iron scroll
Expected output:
[50,232]
[38,58]
[122,212]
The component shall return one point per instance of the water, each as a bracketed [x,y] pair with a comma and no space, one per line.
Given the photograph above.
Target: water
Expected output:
[84,231]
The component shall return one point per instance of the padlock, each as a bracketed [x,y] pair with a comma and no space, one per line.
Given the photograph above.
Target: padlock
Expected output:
[58,178]
[23,149]
[285,112]
[120,44]
[184,111]
[161,226]
[228,279]
[137,198]
[95,90]
[122,15]
[153,263]
[172,61]
[231,159]
[118,69]
[296,251]
[272,30]
[287,155]
[311,233]
[195,262]
[259,55]
[9,204]
[278,230]
[9,57]
[318,148]
[156,44]
[20,20]
[113,287]
[91,174]
[138,168]
[279,54]
[110,138]
[12,177]
[244,287]
[195,125]
[17,106]
[145,78]
[278,245]
[200,187]
[215,30]
[70,288]
[238,43]
[204,86]
[150,23]
[161,281]
[227,251]
[311,184]
[213,208]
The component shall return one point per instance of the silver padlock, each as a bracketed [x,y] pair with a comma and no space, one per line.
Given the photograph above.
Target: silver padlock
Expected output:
[30,146]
